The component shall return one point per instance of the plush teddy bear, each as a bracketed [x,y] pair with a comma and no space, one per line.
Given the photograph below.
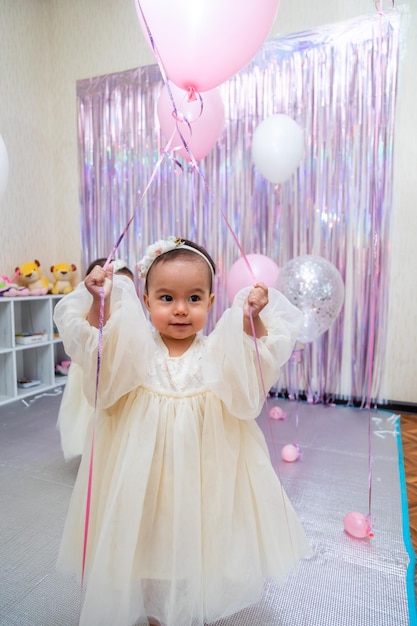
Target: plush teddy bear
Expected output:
[29,275]
[63,277]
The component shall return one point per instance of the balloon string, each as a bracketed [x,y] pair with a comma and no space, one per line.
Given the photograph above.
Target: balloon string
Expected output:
[91,463]
[245,258]
[99,352]
[296,359]
[258,356]
[140,14]
[369,516]
[192,93]
[248,265]
[375,241]
[181,118]
[375,268]
[276,467]
[87,510]
[101,317]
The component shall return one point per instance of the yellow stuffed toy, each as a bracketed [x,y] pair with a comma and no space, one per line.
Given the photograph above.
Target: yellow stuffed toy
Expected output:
[29,275]
[63,277]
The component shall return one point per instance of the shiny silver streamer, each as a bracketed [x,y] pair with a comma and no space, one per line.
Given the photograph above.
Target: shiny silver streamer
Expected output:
[339,84]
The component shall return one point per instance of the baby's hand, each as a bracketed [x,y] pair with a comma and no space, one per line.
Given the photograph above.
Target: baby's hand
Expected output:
[98,278]
[257,299]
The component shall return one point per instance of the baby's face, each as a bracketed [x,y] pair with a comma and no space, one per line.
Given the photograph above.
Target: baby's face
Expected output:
[179,298]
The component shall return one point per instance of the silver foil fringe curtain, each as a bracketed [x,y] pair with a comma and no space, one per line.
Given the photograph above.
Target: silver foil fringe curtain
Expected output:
[339,84]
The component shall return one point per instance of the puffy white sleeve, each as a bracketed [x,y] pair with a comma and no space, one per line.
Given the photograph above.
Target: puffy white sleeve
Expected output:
[232,369]
[126,342]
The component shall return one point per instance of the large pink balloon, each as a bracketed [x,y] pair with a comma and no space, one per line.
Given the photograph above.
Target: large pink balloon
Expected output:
[263,268]
[205,121]
[202,43]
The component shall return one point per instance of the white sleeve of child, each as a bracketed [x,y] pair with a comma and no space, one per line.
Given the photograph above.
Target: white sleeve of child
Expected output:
[126,342]
[232,370]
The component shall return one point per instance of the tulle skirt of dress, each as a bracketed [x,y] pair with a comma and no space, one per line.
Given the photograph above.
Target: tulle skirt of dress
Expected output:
[187,517]
[74,414]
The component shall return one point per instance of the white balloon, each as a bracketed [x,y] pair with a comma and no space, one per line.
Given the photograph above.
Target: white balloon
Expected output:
[277,147]
[4,167]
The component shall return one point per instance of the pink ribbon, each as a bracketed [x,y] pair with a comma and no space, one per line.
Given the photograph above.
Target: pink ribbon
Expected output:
[192,95]
[99,351]
[375,270]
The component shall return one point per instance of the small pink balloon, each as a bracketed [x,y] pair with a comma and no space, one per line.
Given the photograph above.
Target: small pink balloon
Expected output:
[239,276]
[276,413]
[200,126]
[356,524]
[290,453]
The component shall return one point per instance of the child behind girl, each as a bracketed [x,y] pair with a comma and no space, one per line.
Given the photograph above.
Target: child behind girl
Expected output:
[74,411]
[187,515]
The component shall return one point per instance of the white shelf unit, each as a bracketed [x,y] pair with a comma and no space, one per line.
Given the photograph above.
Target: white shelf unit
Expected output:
[35,361]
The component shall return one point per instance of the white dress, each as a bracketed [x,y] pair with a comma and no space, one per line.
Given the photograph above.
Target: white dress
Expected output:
[187,516]
[74,414]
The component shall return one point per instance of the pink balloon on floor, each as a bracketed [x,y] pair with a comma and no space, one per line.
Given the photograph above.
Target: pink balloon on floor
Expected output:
[200,122]
[356,524]
[290,453]
[239,276]
[203,43]
[276,413]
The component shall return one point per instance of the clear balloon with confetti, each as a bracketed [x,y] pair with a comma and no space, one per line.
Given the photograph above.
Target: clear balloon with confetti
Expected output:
[315,286]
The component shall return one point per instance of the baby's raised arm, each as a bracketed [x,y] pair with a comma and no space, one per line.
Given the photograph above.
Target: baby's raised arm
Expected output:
[97,279]
[257,300]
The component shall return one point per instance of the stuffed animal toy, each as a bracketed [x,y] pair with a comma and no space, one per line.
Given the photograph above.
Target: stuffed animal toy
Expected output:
[9,288]
[62,368]
[29,275]
[63,277]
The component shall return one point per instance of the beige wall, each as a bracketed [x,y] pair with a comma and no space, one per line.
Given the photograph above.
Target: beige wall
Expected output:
[47,45]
